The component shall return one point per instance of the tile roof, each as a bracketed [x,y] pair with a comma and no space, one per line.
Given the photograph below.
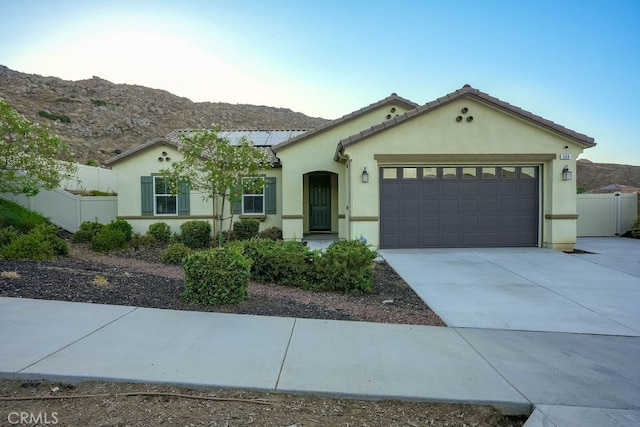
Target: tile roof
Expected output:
[259,137]
[393,98]
[262,139]
[468,91]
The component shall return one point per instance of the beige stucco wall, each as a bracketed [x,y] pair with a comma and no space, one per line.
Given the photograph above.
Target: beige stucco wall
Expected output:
[316,155]
[146,163]
[493,132]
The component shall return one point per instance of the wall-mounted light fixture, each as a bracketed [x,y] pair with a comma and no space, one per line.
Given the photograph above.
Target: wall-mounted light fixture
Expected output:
[365,175]
[567,175]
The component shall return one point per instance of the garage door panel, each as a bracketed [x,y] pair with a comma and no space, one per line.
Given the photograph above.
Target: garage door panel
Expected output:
[460,207]
[410,206]
[449,206]
[468,206]
[449,188]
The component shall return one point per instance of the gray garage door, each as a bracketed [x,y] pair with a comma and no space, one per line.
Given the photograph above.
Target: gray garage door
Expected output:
[428,207]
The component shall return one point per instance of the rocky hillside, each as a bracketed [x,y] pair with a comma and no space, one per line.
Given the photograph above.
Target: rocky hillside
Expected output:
[98,119]
[592,176]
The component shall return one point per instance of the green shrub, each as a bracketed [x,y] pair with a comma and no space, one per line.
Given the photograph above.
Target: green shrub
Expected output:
[175,253]
[273,233]
[87,230]
[32,246]
[54,116]
[216,276]
[7,235]
[160,231]
[246,228]
[287,263]
[196,234]
[108,239]
[347,266]
[12,214]
[49,234]
[138,240]
[123,226]
[636,228]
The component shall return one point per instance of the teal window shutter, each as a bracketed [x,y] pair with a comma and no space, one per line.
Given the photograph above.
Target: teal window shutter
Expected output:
[270,196]
[183,198]
[146,191]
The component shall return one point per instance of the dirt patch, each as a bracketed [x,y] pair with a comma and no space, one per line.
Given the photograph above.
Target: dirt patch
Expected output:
[137,278]
[124,404]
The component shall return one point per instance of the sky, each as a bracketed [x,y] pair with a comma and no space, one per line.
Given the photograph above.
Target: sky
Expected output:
[575,62]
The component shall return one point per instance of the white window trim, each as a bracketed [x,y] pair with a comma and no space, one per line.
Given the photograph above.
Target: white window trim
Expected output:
[155,199]
[252,195]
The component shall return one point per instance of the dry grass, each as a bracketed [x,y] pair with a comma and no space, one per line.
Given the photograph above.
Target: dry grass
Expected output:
[10,275]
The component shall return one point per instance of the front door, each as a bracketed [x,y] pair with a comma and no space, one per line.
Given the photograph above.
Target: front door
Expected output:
[320,202]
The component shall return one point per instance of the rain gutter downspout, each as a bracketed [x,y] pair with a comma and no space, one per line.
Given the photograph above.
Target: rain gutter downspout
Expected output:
[347,159]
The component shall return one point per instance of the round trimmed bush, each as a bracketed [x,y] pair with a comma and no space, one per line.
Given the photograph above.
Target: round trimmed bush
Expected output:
[160,231]
[175,253]
[273,233]
[216,276]
[108,239]
[196,234]
[87,230]
[122,226]
[31,246]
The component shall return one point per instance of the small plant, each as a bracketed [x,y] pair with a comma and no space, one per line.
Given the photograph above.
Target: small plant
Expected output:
[100,281]
[160,231]
[138,240]
[49,234]
[99,102]
[175,253]
[108,239]
[216,276]
[123,226]
[54,116]
[196,234]
[92,162]
[246,228]
[10,275]
[8,235]
[635,227]
[273,233]
[87,230]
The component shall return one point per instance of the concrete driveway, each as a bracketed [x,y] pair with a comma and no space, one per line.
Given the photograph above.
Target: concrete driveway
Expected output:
[529,289]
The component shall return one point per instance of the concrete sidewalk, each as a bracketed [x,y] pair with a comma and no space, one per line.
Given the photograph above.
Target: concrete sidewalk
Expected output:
[511,370]
[587,379]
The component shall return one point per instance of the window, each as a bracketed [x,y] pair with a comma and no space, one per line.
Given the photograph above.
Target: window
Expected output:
[252,196]
[469,173]
[389,173]
[449,173]
[409,173]
[164,203]
[429,173]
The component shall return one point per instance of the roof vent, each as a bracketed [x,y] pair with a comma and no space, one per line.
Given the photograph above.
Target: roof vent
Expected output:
[466,86]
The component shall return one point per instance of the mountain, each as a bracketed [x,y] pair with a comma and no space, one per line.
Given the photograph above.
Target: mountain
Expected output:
[99,119]
[592,176]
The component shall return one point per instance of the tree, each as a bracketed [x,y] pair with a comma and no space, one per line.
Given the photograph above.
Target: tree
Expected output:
[214,166]
[30,155]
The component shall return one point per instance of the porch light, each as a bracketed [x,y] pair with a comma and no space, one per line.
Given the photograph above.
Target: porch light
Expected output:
[567,175]
[365,175]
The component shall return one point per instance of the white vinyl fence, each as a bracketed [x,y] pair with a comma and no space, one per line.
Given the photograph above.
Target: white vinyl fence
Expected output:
[92,178]
[67,210]
[601,215]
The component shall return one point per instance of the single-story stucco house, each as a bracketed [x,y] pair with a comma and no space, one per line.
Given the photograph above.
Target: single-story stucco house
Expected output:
[465,170]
